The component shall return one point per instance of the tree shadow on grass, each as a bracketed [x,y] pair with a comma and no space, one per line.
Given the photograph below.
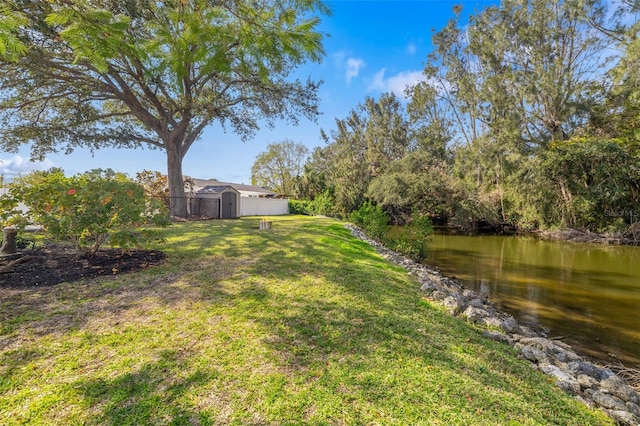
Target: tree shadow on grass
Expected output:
[380,318]
[374,338]
[147,396]
[376,352]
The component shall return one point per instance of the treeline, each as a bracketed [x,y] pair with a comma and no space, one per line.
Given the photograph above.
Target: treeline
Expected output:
[528,117]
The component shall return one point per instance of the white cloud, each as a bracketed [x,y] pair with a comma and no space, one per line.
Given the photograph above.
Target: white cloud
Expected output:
[411,48]
[378,82]
[353,68]
[338,59]
[18,166]
[397,83]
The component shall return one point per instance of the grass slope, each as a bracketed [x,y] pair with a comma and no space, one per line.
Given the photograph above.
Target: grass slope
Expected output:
[302,324]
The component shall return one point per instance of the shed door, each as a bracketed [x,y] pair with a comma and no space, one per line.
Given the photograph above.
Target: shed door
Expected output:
[228,205]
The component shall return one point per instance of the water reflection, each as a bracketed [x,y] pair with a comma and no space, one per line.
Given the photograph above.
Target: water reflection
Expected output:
[589,294]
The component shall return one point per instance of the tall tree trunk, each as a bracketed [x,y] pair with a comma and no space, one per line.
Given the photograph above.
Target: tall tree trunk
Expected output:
[178,199]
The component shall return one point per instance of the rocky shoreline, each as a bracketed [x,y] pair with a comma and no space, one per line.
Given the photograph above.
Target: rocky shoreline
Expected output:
[593,385]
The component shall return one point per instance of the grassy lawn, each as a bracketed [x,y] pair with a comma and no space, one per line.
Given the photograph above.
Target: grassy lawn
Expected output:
[301,324]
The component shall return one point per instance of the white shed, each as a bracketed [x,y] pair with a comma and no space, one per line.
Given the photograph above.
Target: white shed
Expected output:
[215,201]
[252,201]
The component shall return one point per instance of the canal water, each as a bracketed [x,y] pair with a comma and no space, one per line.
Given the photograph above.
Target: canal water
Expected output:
[589,295]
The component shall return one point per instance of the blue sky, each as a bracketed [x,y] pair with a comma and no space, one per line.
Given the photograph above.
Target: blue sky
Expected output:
[373,47]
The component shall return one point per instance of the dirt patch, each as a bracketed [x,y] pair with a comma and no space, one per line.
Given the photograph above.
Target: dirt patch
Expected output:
[56,263]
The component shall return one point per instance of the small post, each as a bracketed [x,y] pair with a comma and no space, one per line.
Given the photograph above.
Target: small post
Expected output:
[265,224]
[9,241]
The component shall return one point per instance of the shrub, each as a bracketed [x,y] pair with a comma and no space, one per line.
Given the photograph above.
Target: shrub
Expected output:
[300,207]
[415,238]
[89,208]
[372,219]
[323,204]
[10,214]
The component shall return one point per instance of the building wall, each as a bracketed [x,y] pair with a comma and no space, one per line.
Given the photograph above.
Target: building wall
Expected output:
[263,206]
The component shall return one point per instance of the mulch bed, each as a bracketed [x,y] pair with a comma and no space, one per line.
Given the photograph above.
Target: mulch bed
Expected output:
[56,263]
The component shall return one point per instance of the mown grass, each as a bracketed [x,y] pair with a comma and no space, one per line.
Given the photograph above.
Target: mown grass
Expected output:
[298,325]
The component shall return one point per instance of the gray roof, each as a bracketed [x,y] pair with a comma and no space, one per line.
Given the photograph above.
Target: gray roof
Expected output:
[214,189]
[237,186]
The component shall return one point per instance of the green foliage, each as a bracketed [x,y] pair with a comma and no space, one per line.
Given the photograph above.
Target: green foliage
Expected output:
[413,241]
[94,35]
[280,166]
[155,186]
[619,115]
[300,207]
[372,219]
[322,204]
[88,209]
[310,184]
[10,214]
[374,134]
[416,181]
[135,73]
[11,47]
[591,181]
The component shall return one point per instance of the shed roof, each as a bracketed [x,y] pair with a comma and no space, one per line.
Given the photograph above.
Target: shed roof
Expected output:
[215,189]
[203,183]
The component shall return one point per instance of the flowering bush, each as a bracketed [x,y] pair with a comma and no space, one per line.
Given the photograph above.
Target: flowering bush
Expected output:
[89,208]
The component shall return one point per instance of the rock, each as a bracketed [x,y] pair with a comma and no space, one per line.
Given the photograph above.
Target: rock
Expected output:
[624,417]
[434,277]
[477,303]
[587,382]
[593,371]
[564,355]
[509,324]
[610,402]
[634,408]
[429,286]
[526,331]
[469,294]
[492,322]
[618,387]
[451,285]
[563,380]
[589,403]
[454,305]
[517,337]
[497,336]
[474,314]
[439,295]
[534,355]
[538,342]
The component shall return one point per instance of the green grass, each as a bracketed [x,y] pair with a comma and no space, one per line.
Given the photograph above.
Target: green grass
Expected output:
[301,324]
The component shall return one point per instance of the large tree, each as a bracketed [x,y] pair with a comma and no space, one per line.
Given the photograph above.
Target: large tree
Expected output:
[362,146]
[520,76]
[97,73]
[279,167]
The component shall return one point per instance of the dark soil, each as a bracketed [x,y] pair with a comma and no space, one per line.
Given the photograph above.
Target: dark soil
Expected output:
[56,263]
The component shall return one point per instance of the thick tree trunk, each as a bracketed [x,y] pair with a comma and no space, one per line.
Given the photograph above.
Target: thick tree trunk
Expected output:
[178,199]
